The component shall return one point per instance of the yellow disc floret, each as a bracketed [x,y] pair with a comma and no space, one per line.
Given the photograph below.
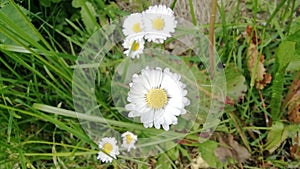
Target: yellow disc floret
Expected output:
[128,138]
[136,27]
[158,24]
[135,46]
[156,98]
[107,147]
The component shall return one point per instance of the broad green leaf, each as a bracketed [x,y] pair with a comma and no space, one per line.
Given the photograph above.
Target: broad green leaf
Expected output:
[278,133]
[173,154]
[88,15]
[284,55]
[77,3]
[295,37]
[294,65]
[3,3]
[206,149]
[163,162]
[8,12]
[295,26]
[275,136]
[235,82]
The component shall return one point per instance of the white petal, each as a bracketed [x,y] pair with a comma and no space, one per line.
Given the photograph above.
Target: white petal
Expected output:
[147,117]
[172,110]
[130,107]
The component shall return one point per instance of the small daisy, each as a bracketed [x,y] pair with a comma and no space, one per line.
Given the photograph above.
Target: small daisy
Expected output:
[109,146]
[133,26]
[134,47]
[157,96]
[159,22]
[129,140]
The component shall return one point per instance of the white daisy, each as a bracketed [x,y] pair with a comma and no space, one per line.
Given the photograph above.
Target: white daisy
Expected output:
[109,148]
[134,47]
[159,22]
[129,140]
[157,96]
[133,26]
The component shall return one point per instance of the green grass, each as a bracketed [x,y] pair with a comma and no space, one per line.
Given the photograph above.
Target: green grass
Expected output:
[40,128]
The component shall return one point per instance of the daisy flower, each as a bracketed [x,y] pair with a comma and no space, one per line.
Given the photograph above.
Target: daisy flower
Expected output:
[129,140]
[159,22]
[109,148]
[134,47]
[133,26]
[157,96]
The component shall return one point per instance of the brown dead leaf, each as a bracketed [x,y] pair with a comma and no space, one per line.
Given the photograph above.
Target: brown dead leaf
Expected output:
[295,149]
[294,108]
[293,100]
[199,162]
[255,64]
[231,149]
[249,32]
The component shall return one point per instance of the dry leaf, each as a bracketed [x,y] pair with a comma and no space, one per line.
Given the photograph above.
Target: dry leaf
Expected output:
[199,162]
[235,83]
[293,100]
[294,108]
[295,149]
[255,62]
[231,149]
[249,32]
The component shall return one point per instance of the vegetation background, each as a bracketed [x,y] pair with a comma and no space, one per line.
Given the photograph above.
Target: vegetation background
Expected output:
[258,42]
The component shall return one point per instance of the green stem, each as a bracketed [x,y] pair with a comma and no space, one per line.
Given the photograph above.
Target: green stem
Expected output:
[211,35]
[194,20]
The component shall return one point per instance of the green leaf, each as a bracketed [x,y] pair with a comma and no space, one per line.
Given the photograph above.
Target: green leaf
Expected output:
[235,82]
[56,1]
[278,133]
[295,37]
[77,3]
[45,3]
[88,15]
[284,55]
[206,149]
[275,136]
[3,3]
[163,162]
[295,63]
[7,12]
[173,154]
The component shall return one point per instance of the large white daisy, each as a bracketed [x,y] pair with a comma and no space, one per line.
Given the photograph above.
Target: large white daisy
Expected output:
[128,140]
[157,96]
[109,146]
[133,26]
[159,22]
[134,47]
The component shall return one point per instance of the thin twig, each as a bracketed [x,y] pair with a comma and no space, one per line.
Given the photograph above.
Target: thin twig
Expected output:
[240,130]
[264,106]
[211,35]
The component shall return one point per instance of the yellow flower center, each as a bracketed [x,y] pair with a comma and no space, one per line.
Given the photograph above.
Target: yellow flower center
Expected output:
[128,138]
[136,27]
[135,46]
[107,147]
[158,24]
[156,98]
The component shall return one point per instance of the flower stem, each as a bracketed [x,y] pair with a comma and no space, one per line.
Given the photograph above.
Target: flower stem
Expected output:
[211,35]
